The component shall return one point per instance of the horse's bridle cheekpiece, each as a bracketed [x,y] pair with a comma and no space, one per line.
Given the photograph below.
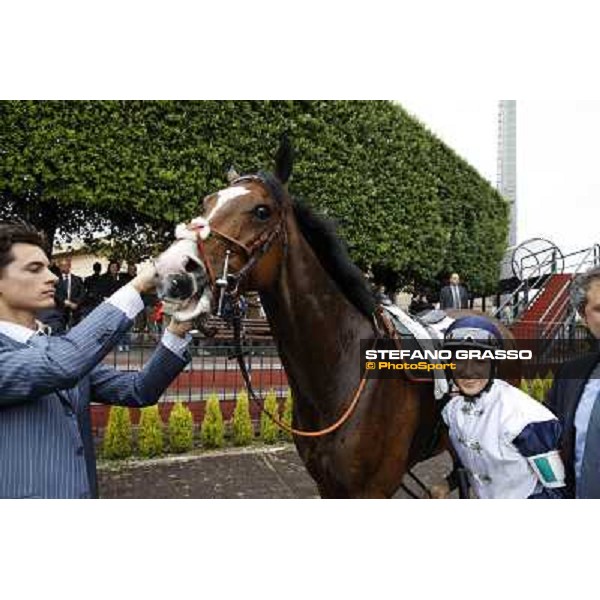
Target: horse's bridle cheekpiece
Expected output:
[228,284]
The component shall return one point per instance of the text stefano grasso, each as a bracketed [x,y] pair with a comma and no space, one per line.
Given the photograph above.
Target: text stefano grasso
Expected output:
[461,354]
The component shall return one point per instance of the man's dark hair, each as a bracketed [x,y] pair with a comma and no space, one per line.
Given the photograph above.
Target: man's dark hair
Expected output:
[97,267]
[17,233]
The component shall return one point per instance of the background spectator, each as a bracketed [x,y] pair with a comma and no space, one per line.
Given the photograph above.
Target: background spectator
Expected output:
[454,295]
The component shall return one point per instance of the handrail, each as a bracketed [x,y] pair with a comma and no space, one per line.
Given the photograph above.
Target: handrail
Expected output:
[568,283]
[555,299]
[550,324]
[594,249]
[524,285]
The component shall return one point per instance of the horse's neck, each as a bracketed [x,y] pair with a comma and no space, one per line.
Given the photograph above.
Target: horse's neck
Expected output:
[317,329]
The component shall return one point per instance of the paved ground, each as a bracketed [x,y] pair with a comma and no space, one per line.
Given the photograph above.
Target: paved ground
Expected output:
[267,472]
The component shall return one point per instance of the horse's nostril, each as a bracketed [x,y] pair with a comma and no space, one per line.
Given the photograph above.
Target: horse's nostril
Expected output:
[191,266]
[181,287]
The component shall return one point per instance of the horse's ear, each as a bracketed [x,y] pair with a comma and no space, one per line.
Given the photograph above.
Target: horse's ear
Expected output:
[232,174]
[284,160]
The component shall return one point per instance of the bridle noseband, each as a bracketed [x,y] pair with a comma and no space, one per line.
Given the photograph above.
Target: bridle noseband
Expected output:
[228,283]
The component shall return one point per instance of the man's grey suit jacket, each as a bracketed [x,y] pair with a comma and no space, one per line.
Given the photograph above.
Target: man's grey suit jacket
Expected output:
[46,386]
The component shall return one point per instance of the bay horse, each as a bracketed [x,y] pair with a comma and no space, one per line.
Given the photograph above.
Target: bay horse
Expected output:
[319,306]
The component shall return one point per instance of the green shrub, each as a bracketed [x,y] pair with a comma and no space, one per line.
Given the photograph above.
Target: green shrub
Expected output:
[180,429]
[212,431]
[242,429]
[537,389]
[117,437]
[150,432]
[548,381]
[269,431]
[524,387]
[288,407]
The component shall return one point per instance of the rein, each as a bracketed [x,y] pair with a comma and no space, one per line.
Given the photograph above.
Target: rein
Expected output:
[229,284]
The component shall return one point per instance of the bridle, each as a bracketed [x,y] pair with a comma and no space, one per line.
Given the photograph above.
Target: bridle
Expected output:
[228,286]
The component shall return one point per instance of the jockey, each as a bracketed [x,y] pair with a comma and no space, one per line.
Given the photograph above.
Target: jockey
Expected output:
[505,440]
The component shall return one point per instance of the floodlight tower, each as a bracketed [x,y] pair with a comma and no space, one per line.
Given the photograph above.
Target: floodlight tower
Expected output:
[507,168]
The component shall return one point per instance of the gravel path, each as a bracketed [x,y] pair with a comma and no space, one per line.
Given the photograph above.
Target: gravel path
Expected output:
[259,472]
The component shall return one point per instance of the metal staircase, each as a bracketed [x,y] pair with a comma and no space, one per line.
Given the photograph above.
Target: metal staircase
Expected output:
[540,306]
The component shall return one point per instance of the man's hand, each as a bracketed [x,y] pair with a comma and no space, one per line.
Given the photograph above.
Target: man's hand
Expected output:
[180,328]
[440,491]
[145,280]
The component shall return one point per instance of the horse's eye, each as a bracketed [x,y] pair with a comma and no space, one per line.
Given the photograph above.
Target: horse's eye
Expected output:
[262,212]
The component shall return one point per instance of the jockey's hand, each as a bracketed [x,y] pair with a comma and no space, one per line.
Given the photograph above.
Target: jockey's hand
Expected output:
[180,328]
[146,279]
[440,491]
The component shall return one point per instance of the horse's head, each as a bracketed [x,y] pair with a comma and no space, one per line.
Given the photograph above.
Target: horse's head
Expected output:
[182,279]
[241,234]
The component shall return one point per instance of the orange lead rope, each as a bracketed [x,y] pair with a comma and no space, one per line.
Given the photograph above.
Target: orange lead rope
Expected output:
[237,326]
[299,432]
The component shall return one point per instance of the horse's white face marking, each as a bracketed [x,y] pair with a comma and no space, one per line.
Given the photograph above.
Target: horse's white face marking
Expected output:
[202,224]
[225,196]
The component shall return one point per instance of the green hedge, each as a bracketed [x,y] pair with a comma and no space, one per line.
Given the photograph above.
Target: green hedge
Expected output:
[212,431]
[288,407]
[242,428]
[150,433]
[407,204]
[537,387]
[269,430]
[180,429]
[117,442]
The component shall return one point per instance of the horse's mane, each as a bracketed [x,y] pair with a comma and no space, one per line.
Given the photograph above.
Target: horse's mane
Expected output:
[331,251]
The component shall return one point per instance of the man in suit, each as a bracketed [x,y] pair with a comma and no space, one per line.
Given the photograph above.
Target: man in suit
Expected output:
[454,295]
[575,398]
[47,383]
[93,290]
[70,293]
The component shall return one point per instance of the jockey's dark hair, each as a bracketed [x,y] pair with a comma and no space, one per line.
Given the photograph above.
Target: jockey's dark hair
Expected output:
[17,232]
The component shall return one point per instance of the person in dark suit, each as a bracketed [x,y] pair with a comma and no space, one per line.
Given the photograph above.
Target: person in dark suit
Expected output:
[575,397]
[454,295]
[52,318]
[47,383]
[93,290]
[112,280]
[70,293]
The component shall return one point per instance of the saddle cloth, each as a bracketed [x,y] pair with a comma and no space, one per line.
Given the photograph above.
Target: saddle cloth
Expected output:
[428,331]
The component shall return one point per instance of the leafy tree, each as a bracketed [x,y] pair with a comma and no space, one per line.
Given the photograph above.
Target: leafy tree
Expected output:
[406,204]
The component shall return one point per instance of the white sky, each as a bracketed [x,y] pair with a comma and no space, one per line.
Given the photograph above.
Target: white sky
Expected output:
[558,181]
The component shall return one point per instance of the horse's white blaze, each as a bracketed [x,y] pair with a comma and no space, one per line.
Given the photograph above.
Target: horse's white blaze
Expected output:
[224,196]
